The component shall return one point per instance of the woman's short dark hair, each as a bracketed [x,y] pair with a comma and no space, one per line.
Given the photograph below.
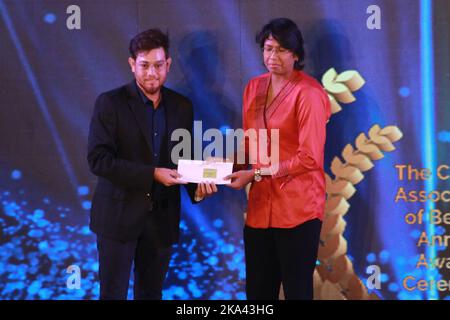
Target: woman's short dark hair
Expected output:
[148,40]
[286,32]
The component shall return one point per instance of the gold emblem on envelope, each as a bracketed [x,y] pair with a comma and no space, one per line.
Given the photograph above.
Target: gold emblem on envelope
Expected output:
[209,173]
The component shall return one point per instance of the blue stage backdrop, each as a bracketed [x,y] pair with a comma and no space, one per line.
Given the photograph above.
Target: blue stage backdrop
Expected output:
[50,76]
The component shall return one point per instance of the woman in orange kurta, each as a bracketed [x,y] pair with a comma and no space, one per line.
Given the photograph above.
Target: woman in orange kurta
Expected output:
[287,198]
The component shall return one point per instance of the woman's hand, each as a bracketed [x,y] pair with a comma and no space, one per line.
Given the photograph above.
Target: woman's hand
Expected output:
[240,179]
[205,189]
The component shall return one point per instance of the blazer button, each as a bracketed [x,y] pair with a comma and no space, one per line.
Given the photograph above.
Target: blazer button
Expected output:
[148,195]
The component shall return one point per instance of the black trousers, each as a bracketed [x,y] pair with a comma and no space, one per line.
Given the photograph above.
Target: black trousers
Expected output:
[275,255]
[151,263]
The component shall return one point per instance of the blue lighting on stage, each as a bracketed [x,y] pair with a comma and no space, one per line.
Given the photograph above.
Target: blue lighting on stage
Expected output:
[34,83]
[404,92]
[16,174]
[444,136]
[83,190]
[40,242]
[50,18]
[428,120]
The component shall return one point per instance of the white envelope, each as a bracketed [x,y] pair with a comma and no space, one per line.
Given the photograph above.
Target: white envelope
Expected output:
[197,171]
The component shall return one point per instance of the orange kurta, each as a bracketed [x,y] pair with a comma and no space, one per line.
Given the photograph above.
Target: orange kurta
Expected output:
[296,192]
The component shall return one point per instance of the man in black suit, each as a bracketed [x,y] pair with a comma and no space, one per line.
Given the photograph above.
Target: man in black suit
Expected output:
[136,206]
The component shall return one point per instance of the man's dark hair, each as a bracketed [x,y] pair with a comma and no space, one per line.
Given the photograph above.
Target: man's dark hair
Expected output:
[148,40]
[286,32]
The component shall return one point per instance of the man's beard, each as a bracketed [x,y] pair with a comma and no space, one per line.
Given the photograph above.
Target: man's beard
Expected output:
[152,89]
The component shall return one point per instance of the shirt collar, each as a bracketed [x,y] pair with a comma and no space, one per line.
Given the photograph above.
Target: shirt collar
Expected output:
[145,99]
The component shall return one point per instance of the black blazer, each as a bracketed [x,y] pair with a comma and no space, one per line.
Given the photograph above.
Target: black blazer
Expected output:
[120,154]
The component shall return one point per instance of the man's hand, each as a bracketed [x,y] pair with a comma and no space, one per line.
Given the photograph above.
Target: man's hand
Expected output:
[167,177]
[240,179]
[205,189]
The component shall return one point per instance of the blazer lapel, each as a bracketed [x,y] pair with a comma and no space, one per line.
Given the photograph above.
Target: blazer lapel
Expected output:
[138,108]
[171,118]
